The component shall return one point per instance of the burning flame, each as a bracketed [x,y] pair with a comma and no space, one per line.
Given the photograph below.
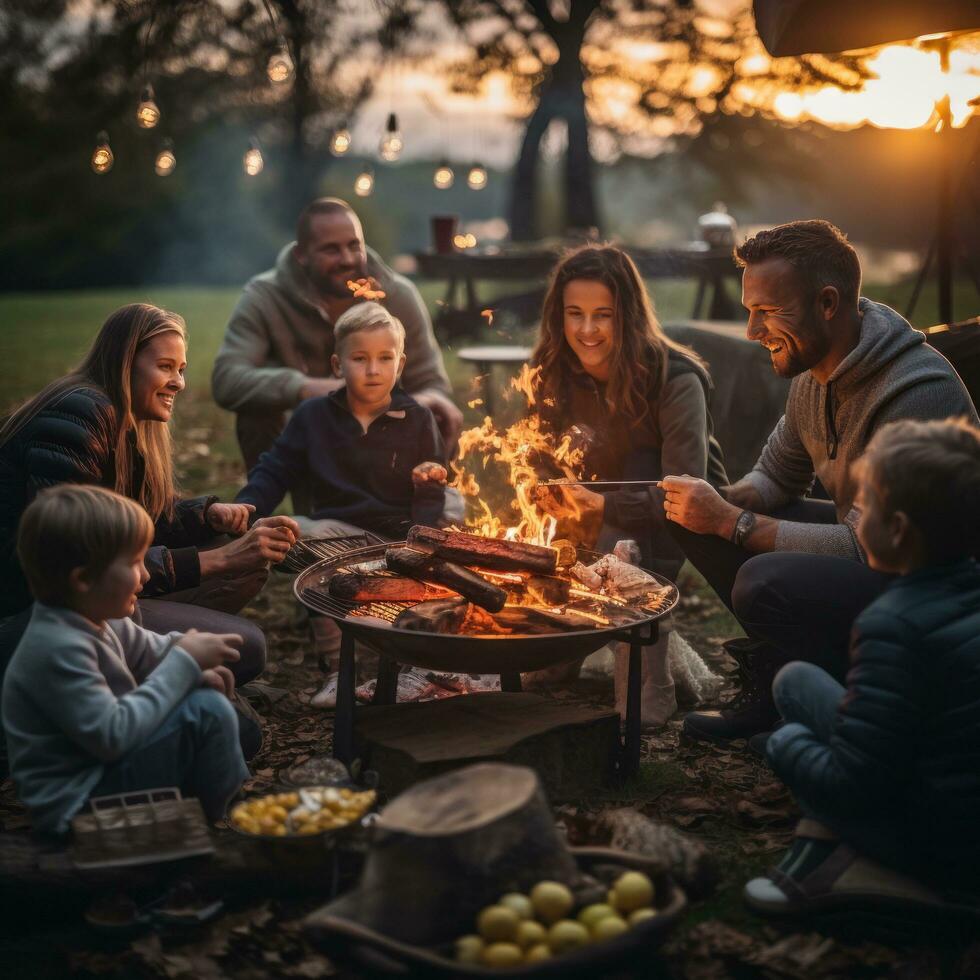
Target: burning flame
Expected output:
[519,450]
[489,315]
[366,288]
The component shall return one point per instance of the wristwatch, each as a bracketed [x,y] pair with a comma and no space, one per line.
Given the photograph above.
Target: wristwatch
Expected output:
[743,527]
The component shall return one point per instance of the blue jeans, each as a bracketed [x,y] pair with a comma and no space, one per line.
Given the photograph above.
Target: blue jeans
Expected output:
[808,699]
[196,749]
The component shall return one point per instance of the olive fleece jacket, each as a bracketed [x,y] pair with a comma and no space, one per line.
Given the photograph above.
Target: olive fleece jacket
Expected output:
[278,337]
[891,374]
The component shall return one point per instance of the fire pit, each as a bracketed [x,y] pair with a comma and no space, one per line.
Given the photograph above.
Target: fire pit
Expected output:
[373,623]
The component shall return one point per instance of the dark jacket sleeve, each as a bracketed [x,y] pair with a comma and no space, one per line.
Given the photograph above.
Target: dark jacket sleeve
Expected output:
[878,727]
[682,415]
[188,527]
[280,468]
[429,499]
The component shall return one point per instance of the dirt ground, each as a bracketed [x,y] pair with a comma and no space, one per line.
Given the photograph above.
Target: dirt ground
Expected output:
[721,795]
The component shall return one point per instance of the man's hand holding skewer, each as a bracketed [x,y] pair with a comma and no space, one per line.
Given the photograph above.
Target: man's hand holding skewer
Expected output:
[696,505]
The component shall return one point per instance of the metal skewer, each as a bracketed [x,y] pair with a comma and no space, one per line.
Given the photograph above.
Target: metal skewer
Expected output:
[600,484]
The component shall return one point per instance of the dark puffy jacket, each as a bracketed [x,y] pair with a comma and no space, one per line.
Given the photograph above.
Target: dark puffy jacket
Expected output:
[72,440]
[905,749]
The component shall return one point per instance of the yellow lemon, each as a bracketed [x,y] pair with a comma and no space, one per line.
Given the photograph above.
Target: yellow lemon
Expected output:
[497,923]
[633,890]
[468,949]
[566,935]
[530,933]
[592,914]
[521,904]
[609,928]
[551,900]
[641,915]
[537,954]
[502,954]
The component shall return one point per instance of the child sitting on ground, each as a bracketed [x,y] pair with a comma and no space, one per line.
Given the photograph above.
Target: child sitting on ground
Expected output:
[370,456]
[93,704]
[889,769]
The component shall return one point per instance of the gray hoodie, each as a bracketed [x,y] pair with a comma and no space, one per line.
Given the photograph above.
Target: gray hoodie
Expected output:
[278,336]
[891,374]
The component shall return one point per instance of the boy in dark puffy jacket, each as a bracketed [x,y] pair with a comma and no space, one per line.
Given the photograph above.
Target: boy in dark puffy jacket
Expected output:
[887,771]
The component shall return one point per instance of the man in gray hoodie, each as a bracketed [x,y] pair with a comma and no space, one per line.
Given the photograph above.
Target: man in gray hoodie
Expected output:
[277,347]
[788,566]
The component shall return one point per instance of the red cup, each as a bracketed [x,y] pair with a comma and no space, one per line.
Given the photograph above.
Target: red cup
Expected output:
[444,228]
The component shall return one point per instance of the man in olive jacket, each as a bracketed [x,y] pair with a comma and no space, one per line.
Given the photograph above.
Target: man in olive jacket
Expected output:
[276,351]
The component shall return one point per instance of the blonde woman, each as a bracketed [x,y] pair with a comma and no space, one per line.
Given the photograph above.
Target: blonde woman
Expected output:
[106,423]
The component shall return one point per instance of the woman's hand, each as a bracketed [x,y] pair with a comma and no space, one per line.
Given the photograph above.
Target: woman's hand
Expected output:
[219,679]
[229,518]
[211,650]
[697,505]
[425,474]
[266,542]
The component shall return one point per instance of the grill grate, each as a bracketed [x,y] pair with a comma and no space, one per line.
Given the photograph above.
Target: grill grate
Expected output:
[308,551]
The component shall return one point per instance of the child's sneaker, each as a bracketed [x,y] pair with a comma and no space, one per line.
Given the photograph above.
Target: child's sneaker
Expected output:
[326,697]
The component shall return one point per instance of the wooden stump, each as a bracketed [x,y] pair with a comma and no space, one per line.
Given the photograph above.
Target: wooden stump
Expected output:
[450,846]
[572,748]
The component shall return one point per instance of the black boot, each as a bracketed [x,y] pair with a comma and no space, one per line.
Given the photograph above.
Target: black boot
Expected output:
[752,710]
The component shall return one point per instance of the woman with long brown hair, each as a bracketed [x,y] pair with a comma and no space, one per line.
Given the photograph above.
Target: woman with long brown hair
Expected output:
[106,423]
[639,401]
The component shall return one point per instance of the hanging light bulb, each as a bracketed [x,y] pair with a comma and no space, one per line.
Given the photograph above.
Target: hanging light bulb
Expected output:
[147,112]
[364,183]
[165,161]
[476,179]
[280,67]
[102,158]
[444,176]
[392,143]
[340,141]
[252,162]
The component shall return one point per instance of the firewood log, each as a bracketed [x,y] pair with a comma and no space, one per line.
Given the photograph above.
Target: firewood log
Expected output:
[383,588]
[490,553]
[544,590]
[428,568]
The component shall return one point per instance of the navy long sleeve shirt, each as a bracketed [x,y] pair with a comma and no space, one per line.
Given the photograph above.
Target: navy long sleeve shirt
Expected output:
[362,478]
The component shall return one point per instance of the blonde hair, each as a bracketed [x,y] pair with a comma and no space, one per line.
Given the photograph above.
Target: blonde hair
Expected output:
[931,472]
[76,526]
[363,317]
[108,367]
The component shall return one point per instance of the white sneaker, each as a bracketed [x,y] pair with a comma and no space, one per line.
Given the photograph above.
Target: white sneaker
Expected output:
[326,697]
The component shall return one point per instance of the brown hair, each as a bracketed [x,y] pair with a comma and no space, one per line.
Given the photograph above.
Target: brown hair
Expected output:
[640,347]
[322,205]
[931,472]
[108,367]
[366,316]
[76,526]
[818,251]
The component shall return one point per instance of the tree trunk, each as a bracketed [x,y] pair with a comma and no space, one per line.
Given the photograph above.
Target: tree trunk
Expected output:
[562,97]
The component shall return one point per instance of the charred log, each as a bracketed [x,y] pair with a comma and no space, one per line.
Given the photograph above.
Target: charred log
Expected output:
[429,568]
[490,553]
[355,587]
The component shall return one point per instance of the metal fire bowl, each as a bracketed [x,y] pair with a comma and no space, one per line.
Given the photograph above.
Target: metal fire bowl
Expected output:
[453,653]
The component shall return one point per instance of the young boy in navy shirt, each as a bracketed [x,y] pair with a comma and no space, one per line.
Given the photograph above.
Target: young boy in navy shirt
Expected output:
[370,456]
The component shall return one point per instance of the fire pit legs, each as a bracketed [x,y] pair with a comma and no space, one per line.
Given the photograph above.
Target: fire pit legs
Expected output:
[386,687]
[343,726]
[511,683]
[630,764]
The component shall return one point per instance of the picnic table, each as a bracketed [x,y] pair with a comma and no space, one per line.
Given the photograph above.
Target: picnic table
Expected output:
[461,307]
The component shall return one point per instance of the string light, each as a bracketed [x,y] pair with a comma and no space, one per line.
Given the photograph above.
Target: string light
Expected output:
[147,112]
[392,143]
[102,158]
[340,141]
[444,176]
[476,179]
[165,161]
[364,183]
[280,67]
[252,162]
